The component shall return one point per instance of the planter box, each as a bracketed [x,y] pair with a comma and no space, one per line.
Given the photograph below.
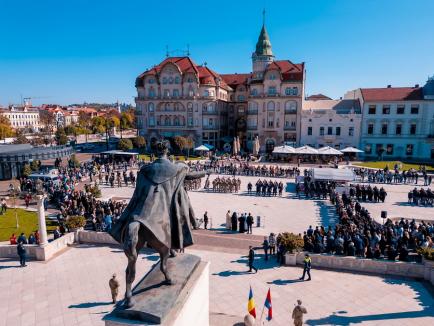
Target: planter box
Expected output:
[428,270]
[290,259]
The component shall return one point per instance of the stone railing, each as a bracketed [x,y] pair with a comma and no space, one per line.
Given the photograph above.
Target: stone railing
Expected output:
[423,270]
[95,237]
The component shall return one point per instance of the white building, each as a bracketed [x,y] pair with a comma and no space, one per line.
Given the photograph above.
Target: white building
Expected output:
[22,117]
[397,122]
[334,123]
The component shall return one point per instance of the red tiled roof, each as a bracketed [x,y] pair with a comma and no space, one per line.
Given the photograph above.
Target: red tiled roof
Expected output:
[185,64]
[234,80]
[289,70]
[392,94]
[317,97]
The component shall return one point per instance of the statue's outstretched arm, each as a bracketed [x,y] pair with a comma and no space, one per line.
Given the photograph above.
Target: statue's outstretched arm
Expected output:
[194,175]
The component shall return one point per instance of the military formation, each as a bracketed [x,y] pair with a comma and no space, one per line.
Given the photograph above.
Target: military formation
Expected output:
[194,184]
[222,184]
[266,188]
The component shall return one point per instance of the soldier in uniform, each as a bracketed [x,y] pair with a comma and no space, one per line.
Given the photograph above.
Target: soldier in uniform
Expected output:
[297,314]
[114,287]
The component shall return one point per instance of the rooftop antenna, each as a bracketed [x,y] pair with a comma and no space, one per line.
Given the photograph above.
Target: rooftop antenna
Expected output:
[263,17]
[188,50]
[167,51]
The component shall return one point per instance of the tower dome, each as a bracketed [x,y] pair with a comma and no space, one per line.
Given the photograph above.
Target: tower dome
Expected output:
[428,89]
[263,46]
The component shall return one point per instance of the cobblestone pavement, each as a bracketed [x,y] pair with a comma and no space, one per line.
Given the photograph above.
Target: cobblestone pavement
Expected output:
[72,289]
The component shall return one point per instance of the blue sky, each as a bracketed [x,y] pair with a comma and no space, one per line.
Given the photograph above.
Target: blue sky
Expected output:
[92,50]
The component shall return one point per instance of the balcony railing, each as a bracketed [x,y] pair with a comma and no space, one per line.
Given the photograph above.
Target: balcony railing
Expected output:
[289,128]
[252,127]
[290,111]
[210,127]
[212,112]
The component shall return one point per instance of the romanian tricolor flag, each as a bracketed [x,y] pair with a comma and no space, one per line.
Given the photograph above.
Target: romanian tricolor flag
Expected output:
[251,304]
[269,306]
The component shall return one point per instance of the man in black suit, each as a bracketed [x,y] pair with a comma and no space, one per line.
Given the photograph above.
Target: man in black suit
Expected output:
[251,259]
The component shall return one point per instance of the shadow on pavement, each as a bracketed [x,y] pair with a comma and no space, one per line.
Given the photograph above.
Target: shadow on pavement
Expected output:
[89,304]
[422,295]
[285,282]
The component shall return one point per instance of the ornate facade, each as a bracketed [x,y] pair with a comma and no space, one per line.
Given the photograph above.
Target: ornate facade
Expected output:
[179,97]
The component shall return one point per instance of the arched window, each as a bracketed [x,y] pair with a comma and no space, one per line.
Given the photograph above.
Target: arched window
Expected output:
[151,107]
[254,92]
[176,121]
[290,107]
[164,80]
[211,107]
[177,79]
[240,98]
[167,107]
[167,121]
[270,106]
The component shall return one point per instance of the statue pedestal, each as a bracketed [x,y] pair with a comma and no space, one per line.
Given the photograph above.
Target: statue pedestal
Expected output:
[185,303]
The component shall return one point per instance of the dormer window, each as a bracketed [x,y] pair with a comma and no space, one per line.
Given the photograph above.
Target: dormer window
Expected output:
[272,77]
[151,81]
[254,92]
[170,80]
[164,80]
[177,80]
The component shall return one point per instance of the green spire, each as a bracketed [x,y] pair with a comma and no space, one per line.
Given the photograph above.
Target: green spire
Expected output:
[263,46]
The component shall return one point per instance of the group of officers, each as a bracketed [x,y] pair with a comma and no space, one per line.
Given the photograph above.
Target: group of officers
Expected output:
[364,193]
[222,184]
[266,188]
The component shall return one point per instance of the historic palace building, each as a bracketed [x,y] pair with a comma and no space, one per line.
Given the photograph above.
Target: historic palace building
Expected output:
[179,97]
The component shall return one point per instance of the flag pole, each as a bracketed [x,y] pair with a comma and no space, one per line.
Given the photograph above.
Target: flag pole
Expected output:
[262,314]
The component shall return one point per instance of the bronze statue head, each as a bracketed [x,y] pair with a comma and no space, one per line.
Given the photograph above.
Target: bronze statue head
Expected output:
[161,148]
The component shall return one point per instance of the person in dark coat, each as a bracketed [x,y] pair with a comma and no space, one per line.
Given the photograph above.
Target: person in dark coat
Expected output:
[234,221]
[252,259]
[22,253]
[205,220]
[242,222]
[249,223]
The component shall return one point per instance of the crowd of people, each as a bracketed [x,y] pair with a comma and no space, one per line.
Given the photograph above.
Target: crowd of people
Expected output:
[422,197]
[410,176]
[358,234]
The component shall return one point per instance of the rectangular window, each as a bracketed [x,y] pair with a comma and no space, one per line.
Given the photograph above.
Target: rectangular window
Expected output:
[413,129]
[321,131]
[329,130]
[175,93]
[400,109]
[370,129]
[309,131]
[409,150]
[379,149]
[389,149]
[351,131]
[398,129]
[386,109]
[338,131]
[372,109]
[272,90]
[414,109]
[384,129]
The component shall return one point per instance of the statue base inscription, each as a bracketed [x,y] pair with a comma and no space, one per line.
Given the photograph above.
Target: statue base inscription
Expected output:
[184,303]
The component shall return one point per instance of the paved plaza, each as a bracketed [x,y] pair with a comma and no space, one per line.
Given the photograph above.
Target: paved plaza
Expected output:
[72,289]
[286,213]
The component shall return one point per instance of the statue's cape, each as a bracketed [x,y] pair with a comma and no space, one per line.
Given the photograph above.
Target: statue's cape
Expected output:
[161,204]
[160,171]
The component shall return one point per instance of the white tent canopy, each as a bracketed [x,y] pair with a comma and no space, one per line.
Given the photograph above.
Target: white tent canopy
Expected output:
[285,149]
[351,150]
[305,150]
[323,174]
[329,151]
[202,148]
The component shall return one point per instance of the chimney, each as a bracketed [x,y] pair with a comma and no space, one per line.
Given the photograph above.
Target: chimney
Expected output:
[416,86]
[389,86]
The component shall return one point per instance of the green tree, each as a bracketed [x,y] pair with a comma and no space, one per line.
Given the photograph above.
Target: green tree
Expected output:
[179,142]
[98,125]
[27,170]
[73,162]
[125,144]
[21,139]
[139,142]
[189,144]
[61,137]
[35,165]
[5,128]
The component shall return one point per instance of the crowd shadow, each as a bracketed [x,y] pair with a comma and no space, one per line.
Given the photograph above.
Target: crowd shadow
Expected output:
[406,204]
[422,295]
[327,213]
[86,305]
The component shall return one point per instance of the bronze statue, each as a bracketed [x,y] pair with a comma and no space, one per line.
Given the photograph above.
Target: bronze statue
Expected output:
[159,215]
